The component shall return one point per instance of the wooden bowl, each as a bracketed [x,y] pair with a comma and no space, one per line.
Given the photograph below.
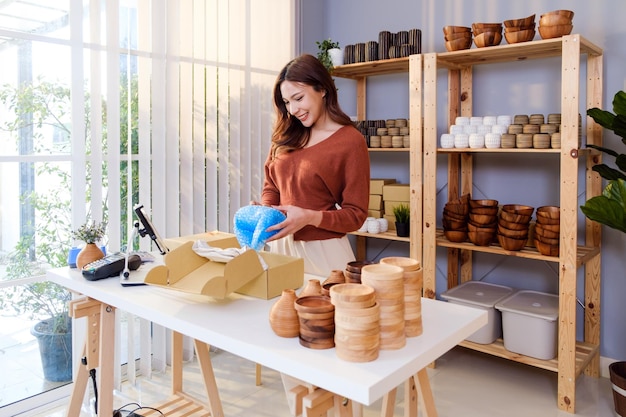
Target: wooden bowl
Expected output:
[550,227]
[519,36]
[490,211]
[459,35]
[455,235]
[544,219]
[509,243]
[519,28]
[481,238]
[456,208]
[513,225]
[525,21]
[549,234]
[479,219]
[554,19]
[454,225]
[483,203]
[314,304]
[455,29]
[355,266]
[344,294]
[458,44]
[547,241]
[486,26]
[487,38]
[556,31]
[517,234]
[518,209]
[567,13]
[553,212]
[453,216]
[545,249]
[474,228]
[515,217]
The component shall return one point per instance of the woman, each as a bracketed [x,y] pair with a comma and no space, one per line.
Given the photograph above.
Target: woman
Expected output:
[317,171]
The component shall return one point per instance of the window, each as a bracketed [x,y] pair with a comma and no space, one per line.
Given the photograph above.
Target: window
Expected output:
[105,104]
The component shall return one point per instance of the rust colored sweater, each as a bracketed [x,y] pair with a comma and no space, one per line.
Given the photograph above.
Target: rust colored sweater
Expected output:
[334,171]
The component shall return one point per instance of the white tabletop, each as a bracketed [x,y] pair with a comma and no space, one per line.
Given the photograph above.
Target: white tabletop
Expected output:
[240,325]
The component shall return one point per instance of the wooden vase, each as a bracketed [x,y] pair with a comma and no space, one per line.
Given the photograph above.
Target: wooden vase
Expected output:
[313,287]
[91,252]
[283,315]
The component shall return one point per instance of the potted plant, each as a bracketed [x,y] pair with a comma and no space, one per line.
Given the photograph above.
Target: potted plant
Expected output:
[609,208]
[90,233]
[402,212]
[329,54]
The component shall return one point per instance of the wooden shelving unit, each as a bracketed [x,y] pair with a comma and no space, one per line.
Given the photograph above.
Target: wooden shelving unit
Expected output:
[574,356]
[360,72]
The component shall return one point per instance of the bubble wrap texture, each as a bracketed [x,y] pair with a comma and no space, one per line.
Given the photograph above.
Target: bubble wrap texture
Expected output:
[251,223]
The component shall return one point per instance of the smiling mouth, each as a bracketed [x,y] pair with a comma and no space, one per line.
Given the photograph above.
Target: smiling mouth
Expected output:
[303,117]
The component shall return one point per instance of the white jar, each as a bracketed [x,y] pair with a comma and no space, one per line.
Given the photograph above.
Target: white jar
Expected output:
[461,140]
[504,119]
[476,120]
[363,227]
[447,140]
[469,129]
[483,129]
[373,226]
[455,129]
[476,141]
[489,120]
[500,129]
[492,140]
[462,120]
[384,224]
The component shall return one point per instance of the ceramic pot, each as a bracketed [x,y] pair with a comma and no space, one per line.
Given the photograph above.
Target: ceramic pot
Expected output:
[283,315]
[91,252]
[402,229]
[336,56]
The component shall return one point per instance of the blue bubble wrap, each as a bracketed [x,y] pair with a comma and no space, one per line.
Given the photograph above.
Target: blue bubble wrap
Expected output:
[251,223]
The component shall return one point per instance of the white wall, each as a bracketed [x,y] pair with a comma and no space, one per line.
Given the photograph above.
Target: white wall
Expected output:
[504,89]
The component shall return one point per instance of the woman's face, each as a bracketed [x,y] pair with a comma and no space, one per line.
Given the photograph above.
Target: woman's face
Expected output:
[303,102]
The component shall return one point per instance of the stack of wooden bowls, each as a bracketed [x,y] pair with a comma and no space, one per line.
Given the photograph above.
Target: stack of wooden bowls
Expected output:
[353,271]
[547,230]
[519,30]
[317,321]
[487,34]
[413,285]
[335,277]
[483,220]
[514,226]
[357,322]
[457,37]
[454,220]
[556,24]
[388,284]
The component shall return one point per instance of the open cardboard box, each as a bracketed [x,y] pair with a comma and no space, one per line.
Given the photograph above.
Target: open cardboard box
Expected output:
[184,270]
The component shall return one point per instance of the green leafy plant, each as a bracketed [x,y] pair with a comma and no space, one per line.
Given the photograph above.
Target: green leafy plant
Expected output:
[90,232]
[609,208]
[402,213]
[322,53]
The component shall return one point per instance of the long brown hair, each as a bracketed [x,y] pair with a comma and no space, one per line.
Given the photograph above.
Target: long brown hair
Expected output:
[289,132]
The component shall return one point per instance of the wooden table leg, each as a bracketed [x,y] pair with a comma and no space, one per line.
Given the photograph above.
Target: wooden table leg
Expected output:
[78,392]
[204,359]
[425,392]
[389,403]
[410,398]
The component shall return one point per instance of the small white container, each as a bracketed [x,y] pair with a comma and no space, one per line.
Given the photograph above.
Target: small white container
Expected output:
[456,129]
[500,128]
[476,141]
[469,129]
[490,120]
[462,120]
[504,119]
[529,323]
[447,140]
[461,140]
[373,226]
[492,140]
[484,296]
[476,120]
[483,129]
[384,224]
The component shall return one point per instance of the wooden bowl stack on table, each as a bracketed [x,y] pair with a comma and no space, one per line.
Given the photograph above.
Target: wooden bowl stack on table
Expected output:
[457,37]
[357,322]
[556,24]
[455,216]
[487,34]
[413,287]
[519,30]
[317,321]
[482,221]
[547,230]
[514,226]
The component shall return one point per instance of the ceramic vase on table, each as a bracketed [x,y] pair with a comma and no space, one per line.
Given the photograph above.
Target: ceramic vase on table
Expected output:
[283,315]
[91,252]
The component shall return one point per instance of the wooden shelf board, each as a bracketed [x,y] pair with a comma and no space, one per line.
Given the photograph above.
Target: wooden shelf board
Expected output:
[583,255]
[388,235]
[538,49]
[510,150]
[371,68]
[389,149]
[178,405]
[585,352]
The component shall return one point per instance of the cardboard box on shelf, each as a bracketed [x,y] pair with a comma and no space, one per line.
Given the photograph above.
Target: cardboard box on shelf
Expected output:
[376,202]
[376,184]
[391,220]
[396,192]
[377,214]
[389,205]
[184,270]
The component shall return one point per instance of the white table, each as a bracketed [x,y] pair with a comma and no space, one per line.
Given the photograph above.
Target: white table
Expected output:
[240,325]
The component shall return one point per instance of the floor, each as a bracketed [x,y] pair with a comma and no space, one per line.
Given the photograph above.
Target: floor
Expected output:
[465,383]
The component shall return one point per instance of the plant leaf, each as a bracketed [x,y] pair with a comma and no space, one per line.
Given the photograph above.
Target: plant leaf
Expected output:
[619,103]
[609,208]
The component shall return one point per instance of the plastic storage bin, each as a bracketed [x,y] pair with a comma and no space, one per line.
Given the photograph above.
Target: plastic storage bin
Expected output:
[529,323]
[485,296]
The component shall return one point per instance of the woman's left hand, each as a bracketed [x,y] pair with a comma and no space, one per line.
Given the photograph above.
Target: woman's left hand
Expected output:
[297,218]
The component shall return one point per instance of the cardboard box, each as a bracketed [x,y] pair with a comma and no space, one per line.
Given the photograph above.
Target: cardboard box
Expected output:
[389,205]
[376,184]
[376,202]
[377,214]
[396,192]
[391,220]
[184,270]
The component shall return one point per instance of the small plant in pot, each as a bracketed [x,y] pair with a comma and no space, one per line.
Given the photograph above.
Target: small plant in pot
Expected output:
[90,233]
[329,54]
[402,212]
[609,208]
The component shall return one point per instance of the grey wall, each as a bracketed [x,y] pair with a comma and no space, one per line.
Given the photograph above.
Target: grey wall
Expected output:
[503,89]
